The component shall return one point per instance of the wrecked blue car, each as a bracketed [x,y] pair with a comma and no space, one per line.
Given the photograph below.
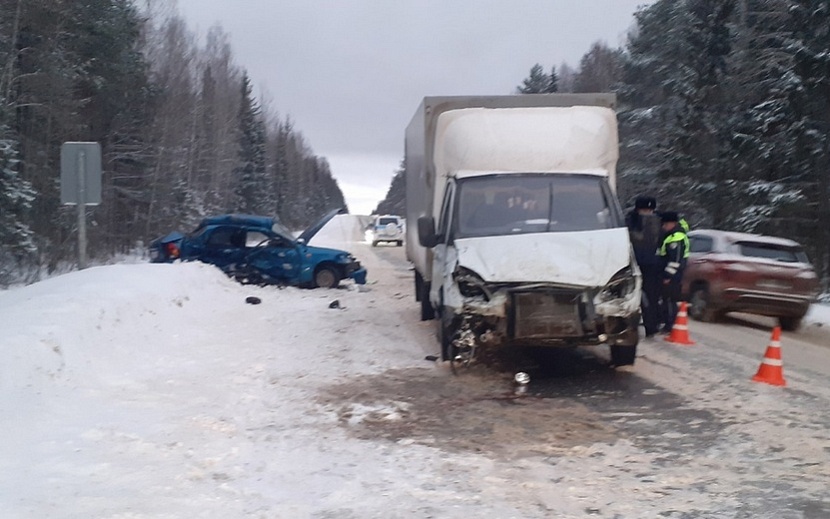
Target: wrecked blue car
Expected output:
[260,250]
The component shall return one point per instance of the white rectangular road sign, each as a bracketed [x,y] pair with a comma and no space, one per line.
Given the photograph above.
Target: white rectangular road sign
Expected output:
[81,173]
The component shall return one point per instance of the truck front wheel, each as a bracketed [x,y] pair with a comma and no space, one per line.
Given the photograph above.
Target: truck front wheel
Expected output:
[446,334]
[427,312]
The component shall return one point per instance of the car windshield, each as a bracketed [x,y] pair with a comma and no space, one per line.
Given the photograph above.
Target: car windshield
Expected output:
[387,221]
[772,251]
[280,229]
[531,203]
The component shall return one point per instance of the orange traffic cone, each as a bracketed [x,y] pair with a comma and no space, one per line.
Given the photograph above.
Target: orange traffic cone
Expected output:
[680,331]
[771,370]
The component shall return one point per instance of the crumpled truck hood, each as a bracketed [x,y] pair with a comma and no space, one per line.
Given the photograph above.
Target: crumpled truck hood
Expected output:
[586,259]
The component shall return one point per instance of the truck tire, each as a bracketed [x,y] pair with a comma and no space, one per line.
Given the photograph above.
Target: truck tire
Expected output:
[422,296]
[446,333]
[427,312]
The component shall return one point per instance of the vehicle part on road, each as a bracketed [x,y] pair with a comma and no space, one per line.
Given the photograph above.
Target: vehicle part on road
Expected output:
[521,379]
[335,304]
[252,300]
[680,331]
[771,370]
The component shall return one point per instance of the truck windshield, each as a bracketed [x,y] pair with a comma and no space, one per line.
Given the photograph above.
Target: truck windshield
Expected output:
[532,203]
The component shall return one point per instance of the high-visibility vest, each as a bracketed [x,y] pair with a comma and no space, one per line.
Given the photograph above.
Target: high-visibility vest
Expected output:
[683,224]
[676,236]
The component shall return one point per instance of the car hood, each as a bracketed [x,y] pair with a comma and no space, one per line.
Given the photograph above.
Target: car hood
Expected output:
[586,259]
[309,233]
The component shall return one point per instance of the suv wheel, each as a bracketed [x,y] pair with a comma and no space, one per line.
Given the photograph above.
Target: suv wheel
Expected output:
[699,307]
[789,324]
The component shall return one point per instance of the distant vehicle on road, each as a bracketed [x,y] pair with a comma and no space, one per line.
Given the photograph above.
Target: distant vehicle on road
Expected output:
[738,272]
[260,250]
[387,228]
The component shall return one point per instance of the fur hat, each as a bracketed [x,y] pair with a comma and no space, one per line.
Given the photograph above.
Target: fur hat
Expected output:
[669,216]
[645,202]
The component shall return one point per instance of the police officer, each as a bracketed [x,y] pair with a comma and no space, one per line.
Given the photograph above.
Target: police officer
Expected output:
[644,232]
[674,250]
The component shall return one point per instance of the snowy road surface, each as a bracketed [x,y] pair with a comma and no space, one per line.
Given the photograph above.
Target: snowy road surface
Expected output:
[153,391]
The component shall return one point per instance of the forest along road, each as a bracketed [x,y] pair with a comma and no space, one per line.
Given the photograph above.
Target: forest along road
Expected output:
[683,433]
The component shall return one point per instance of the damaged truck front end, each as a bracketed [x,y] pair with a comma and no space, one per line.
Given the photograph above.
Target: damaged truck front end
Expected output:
[478,316]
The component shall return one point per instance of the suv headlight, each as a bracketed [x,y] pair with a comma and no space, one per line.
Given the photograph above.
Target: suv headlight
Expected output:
[620,286]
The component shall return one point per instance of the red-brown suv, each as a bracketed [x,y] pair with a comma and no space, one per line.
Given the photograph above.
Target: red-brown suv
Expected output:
[737,272]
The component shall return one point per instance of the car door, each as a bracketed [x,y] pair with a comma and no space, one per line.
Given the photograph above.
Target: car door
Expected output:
[224,246]
[279,260]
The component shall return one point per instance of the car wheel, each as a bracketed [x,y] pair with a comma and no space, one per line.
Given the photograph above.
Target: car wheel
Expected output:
[326,277]
[699,307]
[400,243]
[374,243]
[790,324]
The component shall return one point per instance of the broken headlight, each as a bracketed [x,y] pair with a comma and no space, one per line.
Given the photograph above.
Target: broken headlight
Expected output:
[621,285]
[470,284]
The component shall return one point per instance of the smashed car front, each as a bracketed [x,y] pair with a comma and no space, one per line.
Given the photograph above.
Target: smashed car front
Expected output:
[347,265]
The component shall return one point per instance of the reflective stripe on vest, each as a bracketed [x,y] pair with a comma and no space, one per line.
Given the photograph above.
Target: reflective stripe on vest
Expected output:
[676,236]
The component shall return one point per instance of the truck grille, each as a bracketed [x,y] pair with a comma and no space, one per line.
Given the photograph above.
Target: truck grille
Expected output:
[546,315]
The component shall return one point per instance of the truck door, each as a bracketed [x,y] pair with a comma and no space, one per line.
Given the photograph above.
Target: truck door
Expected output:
[440,270]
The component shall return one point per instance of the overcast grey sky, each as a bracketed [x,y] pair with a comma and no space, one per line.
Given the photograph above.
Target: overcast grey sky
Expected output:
[351,73]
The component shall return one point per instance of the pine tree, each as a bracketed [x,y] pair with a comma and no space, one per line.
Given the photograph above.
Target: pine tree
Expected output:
[538,82]
[553,82]
[395,200]
[253,189]
[16,197]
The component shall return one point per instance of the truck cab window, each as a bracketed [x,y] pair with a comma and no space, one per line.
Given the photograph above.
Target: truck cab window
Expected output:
[497,205]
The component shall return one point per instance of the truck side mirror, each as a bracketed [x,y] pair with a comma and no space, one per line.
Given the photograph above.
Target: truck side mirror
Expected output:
[426,232]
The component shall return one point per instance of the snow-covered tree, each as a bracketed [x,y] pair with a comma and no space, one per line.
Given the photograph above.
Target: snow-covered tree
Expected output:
[536,83]
[16,197]
[253,189]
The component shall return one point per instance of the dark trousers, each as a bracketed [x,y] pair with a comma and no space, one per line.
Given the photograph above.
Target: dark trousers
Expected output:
[671,299]
[650,305]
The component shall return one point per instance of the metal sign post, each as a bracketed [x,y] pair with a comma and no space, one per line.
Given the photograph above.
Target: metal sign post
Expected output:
[81,184]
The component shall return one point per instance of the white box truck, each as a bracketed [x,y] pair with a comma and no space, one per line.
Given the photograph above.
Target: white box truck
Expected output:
[516,234]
